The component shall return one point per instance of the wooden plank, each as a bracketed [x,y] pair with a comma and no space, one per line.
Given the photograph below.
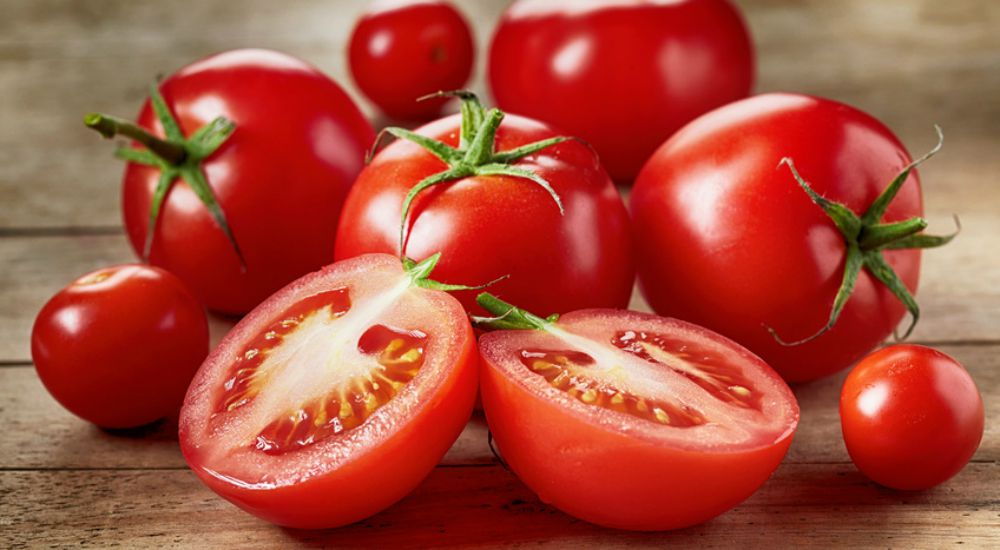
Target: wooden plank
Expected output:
[488,506]
[40,434]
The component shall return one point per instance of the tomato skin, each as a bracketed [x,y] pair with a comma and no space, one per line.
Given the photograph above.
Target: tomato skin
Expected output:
[911,416]
[622,75]
[618,477]
[491,227]
[118,346]
[728,240]
[280,179]
[401,51]
[367,477]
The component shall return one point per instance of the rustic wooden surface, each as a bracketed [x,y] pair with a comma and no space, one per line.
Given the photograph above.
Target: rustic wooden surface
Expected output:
[64,483]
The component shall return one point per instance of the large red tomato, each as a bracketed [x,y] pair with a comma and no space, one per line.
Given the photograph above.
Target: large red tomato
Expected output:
[118,347]
[551,221]
[730,240]
[630,420]
[270,191]
[403,50]
[335,397]
[621,74]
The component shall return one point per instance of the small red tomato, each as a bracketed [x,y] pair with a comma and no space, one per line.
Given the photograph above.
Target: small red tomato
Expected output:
[912,416]
[403,50]
[118,346]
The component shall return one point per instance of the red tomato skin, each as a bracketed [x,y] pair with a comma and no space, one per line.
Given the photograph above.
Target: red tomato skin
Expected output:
[401,51]
[492,227]
[622,75]
[120,352]
[911,416]
[608,478]
[375,477]
[728,240]
[280,179]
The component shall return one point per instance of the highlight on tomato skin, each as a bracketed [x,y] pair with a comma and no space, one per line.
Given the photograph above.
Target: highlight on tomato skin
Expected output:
[334,398]
[634,421]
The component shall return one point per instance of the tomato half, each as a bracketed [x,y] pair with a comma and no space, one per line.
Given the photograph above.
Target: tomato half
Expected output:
[634,421]
[729,240]
[334,398]
[622,75]
[912,416]
[403,50]
[118,346]
[496,225]
[278,180]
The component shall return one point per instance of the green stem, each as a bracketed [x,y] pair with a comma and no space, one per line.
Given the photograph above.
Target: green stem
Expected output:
[110,126]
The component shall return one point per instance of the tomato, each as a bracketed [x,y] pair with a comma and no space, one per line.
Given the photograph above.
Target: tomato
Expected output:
[333,398]
[561,248]
[911,416]
[403,50]
[622,75]
[729,240]
[630,420]
[117,347]
[246,213]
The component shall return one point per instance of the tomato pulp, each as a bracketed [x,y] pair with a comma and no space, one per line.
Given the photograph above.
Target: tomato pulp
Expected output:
[334,398]
[634,421]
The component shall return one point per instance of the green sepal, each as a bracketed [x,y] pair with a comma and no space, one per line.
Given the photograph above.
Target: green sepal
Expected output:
[881,270]
[508,316]
[195,178]
[420,275]
[877,209]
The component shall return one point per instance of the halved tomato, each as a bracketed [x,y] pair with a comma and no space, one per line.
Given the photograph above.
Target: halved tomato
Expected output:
[335,397]
[631,420]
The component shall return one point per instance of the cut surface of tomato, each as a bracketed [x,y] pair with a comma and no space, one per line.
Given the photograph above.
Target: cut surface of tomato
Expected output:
[334,398]
[634,421]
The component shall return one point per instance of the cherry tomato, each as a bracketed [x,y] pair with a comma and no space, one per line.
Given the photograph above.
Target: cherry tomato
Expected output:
[728,239]
[911,415]
[622,75]
[118,346]
[279,179]
[499,222]
[335,397]
[630,420]
[403,50]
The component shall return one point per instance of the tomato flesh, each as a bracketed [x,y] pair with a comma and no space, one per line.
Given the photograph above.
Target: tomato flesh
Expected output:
[347,375]
[634,421]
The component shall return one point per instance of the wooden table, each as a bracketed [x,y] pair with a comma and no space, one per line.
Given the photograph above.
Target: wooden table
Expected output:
[912,63]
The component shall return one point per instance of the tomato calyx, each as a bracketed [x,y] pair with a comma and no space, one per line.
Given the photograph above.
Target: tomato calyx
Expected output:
[508,316]
[475,155]
[420,272]
[866,237]
[176,156]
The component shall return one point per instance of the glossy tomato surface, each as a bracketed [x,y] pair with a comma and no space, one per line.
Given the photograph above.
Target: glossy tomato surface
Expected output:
[623,75]
[334,398]
[634,421]
[912,416]
[280,179]
[118,346]
[401,50]
[727,238]
[487,227]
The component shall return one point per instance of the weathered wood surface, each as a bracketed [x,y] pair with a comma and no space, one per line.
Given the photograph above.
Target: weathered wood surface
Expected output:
[64,483]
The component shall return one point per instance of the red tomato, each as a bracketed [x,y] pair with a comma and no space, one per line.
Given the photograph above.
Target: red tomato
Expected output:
[118,346]
[403,50]
[489,226]
[334,398]
[729,240]
[280,178]
[621,75]
[634,421]
[911,415]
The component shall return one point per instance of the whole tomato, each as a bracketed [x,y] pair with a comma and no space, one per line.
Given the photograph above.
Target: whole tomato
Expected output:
[251,155]
[622,75]
[403,50]
[912,416]
[118,346]
[511,203]
[728,238]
